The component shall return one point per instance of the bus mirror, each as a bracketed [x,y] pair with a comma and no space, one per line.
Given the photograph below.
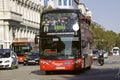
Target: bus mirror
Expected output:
[36,39]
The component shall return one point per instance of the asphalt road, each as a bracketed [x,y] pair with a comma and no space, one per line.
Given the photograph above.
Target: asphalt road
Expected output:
[109,71]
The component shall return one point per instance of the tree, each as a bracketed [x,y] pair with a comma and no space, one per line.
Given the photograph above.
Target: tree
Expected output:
[104,39]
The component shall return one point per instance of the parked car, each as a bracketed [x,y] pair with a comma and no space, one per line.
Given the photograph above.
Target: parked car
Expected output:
[32,58]
[95,53]
[8,59]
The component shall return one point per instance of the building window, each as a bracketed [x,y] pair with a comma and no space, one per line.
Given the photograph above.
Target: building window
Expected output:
[65,2]
[70,2]
[59,2]
[45,2]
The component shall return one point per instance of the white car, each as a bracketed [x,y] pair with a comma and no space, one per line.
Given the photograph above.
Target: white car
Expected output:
[8,59]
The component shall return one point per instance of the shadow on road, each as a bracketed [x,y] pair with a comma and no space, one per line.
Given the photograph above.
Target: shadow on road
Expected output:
[92,74]
[38,72]
[97,72]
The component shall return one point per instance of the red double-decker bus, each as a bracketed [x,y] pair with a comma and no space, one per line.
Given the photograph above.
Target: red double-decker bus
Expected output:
[65,41]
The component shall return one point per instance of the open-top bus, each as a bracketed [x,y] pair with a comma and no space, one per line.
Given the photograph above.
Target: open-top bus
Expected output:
[65,40]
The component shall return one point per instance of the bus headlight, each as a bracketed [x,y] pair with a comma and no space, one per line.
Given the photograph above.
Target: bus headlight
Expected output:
[77,61]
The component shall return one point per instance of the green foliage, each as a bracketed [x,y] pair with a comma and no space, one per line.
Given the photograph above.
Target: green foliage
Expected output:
[104,39]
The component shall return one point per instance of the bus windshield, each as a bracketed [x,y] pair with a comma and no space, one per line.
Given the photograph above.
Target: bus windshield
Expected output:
[52,22]
[21,49]
[60,47]
[59,35]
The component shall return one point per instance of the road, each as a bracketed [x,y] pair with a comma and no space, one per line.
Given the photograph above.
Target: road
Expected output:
[109,71]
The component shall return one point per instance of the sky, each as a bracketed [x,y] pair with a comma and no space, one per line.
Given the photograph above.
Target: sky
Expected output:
[105,13]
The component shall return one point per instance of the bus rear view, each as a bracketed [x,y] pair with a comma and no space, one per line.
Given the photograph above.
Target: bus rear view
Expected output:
[60,41]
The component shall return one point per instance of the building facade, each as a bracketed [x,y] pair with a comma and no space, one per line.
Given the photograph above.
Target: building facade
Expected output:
[85,11]
[68,4]
[59,3]
[18,19]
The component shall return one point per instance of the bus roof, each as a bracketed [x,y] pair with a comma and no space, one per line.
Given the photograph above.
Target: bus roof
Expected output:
[115,47]
[61,10]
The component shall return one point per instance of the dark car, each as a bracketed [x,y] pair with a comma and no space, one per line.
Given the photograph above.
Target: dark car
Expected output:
[32,58]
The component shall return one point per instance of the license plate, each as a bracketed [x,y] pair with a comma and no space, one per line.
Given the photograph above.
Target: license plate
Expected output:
[60,67]
[31,61]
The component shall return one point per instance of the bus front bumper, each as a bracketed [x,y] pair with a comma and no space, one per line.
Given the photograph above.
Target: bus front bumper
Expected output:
[48,65]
